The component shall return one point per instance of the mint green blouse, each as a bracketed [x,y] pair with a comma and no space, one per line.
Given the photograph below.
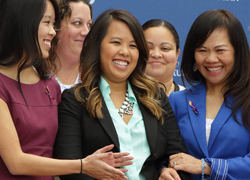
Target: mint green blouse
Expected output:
[132,136]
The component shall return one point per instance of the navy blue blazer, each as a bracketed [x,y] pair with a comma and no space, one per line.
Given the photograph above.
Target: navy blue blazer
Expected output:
[229,143]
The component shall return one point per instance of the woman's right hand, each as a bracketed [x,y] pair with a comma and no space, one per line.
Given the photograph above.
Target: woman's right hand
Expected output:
[93,165]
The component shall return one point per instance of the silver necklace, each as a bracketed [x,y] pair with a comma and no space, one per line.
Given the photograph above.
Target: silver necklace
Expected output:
[126,108]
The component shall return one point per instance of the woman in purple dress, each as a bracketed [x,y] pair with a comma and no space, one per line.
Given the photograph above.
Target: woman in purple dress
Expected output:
[29,99]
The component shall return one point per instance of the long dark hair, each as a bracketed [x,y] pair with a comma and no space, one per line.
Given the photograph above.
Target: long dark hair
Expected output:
[143,86]
[238,82]
[163,23]
[19,23]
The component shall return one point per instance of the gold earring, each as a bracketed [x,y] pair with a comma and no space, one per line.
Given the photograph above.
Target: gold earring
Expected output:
[177,64]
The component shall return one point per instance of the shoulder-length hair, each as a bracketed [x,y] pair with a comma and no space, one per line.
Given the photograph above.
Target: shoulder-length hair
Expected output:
[143,86]
[238,84]
[65,13]
[162,23]
[19,23]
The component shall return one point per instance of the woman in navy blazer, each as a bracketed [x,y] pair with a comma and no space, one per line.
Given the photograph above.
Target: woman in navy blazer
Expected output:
[213,115]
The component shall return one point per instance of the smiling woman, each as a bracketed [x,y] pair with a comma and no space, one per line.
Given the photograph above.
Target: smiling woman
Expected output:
[118,63]
[76,17]
[46,31]
[117,103]
[215,58]
[216,61]
[29,99]
[163,42]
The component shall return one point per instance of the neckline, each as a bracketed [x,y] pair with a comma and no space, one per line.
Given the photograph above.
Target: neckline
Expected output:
[78,78]
[171,89]
[14,80]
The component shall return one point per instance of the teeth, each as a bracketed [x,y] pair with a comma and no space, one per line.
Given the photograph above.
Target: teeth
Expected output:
[48,43]
[214,69]
[121,63]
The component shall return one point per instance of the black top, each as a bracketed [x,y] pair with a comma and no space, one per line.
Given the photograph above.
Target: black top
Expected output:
[80,135]
[176,87]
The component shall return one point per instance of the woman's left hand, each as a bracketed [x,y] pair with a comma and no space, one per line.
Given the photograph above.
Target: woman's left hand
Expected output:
[185,162]
[116,159]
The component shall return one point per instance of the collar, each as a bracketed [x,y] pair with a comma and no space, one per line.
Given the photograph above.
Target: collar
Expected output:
[105,89]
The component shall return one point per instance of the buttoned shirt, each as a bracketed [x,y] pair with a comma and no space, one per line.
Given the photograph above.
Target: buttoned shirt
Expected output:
[132,136]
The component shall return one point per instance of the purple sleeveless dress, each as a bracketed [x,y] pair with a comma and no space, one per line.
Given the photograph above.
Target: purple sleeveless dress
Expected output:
[36,124]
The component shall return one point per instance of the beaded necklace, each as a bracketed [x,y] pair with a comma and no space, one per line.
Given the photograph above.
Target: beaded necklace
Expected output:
[127,107]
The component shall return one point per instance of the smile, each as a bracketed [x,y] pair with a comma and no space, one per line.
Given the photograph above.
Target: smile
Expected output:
[156,63]
[121,63]
[80,41]
[214,69]
[47,43]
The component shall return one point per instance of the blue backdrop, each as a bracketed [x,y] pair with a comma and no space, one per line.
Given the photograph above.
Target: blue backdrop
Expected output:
[180,13]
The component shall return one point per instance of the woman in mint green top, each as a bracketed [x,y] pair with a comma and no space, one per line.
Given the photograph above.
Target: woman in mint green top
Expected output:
[116,103]
[132,136]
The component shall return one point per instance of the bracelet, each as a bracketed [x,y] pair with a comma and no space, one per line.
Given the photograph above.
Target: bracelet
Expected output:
[81,166]
[202,168]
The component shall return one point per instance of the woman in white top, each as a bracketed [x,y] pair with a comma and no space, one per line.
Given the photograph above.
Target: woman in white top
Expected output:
[76,17]
[163,41]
